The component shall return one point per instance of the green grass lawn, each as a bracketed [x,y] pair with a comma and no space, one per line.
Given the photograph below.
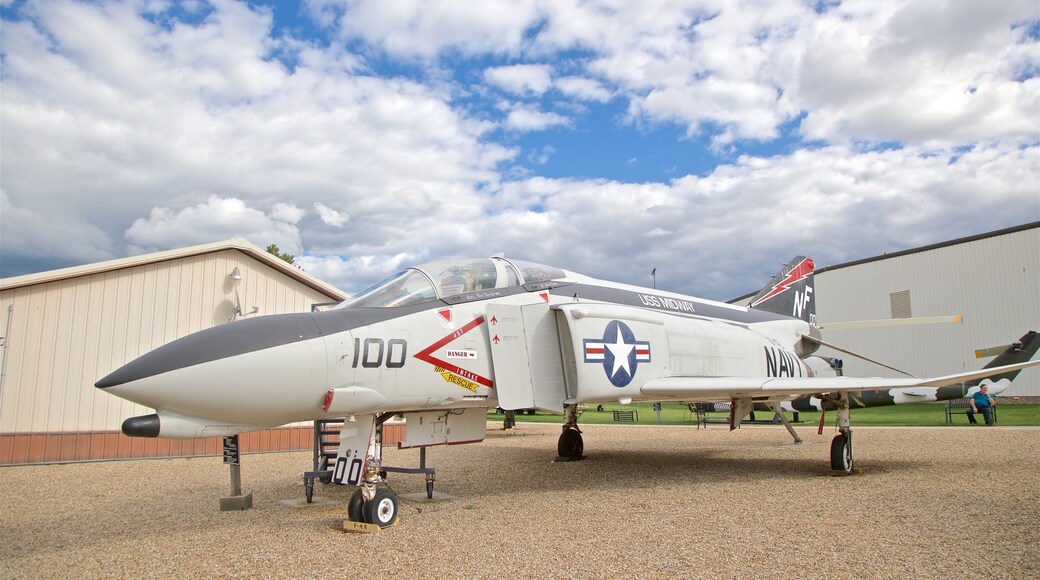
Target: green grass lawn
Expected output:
[918,414]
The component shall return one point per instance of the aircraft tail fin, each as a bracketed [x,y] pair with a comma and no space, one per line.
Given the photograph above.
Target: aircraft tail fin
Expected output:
[1020,351]
[790,292]
[1017,352]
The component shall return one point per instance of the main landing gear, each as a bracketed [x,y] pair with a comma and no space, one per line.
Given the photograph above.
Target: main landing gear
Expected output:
[841,445]
[570,447]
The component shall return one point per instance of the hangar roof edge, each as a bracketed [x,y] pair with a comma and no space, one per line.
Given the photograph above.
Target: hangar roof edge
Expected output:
[936,246]
[238,244]
[929,247]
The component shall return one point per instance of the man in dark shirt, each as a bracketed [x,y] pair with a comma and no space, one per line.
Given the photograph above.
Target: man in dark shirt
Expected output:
[981,401]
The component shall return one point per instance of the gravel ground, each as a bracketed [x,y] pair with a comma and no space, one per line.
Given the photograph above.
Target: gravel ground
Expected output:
[648,501]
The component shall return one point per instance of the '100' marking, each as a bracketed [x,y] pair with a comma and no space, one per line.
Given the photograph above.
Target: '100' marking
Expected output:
[376,351]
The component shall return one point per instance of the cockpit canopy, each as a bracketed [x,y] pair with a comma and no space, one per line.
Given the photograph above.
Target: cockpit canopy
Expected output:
[442,279]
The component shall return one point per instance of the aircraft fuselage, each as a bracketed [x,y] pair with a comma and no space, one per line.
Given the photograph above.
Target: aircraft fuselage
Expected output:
[542,344]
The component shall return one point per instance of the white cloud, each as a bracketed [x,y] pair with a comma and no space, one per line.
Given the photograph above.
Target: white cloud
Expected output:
[542,155]
[521,79]
[582,88]
[107,116]
[862,70]
[877,72]
[26,234]
[217,219]
[424,29]
[723,234]
[330,216]
[121,135]
[524,118]
[287,213]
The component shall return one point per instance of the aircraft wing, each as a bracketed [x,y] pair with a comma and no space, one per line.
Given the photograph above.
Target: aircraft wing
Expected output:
[704,388]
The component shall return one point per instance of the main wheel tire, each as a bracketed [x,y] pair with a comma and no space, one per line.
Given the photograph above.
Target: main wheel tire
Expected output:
[357,501]
[841,453]
[571,445]
[382,510]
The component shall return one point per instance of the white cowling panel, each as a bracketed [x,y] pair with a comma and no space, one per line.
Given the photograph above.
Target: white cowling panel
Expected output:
[528,361]
[179,427]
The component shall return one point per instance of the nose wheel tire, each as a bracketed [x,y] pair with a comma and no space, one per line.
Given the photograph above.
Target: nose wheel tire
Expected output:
[381,510]
[841,452]
[354,506]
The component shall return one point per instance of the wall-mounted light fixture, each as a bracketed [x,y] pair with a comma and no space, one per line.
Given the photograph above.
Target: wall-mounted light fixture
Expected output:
[236,311]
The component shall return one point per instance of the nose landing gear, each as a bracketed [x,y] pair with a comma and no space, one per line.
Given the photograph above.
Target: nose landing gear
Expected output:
[380,510]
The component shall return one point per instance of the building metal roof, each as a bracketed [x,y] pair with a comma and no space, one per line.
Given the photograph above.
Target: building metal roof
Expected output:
[964,240]
[238,244]
[937,246]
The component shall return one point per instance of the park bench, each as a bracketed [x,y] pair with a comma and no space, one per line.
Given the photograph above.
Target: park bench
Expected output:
[626,416]
[711,413]
[955,407]
[719,413]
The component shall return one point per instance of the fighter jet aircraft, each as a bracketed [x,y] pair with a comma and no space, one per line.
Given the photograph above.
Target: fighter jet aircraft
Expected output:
[439,344]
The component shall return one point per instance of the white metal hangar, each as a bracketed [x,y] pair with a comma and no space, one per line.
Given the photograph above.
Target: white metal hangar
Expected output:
[64,329]
[992,280]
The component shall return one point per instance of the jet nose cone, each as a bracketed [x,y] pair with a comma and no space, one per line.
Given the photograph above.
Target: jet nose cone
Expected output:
[215,343]
[249,372]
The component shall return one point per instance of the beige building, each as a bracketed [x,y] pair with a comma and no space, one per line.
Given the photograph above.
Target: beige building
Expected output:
[65,329]
[991,280]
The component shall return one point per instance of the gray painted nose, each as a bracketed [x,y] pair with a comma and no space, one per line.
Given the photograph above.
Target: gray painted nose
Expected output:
[216,343]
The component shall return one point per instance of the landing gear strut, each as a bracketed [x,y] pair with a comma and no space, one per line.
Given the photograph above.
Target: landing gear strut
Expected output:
[570,446]
[775,408]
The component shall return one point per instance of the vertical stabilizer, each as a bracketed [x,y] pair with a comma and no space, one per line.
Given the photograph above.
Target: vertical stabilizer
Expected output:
[790,292]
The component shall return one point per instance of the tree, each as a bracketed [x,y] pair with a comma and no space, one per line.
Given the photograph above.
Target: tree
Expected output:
[273,249]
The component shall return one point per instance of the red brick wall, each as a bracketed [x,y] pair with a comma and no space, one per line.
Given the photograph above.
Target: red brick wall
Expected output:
[18,449]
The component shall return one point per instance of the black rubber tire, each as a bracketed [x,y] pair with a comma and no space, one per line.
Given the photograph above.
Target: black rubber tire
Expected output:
[429,489]
[357,501]
[841,453]
[382,510]
[308,490]
[571,445]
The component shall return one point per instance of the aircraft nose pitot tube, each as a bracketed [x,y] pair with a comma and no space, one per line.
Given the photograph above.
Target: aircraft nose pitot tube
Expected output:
[236,373]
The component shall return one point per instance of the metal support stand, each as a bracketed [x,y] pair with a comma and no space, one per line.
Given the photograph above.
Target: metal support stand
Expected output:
[323,473]
[429,471]
[236,501]
[236,479]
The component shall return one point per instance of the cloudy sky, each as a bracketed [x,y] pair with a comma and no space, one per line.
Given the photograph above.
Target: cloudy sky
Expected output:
[710,139]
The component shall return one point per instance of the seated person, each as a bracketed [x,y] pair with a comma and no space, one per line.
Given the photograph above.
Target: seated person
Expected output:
[981,401]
